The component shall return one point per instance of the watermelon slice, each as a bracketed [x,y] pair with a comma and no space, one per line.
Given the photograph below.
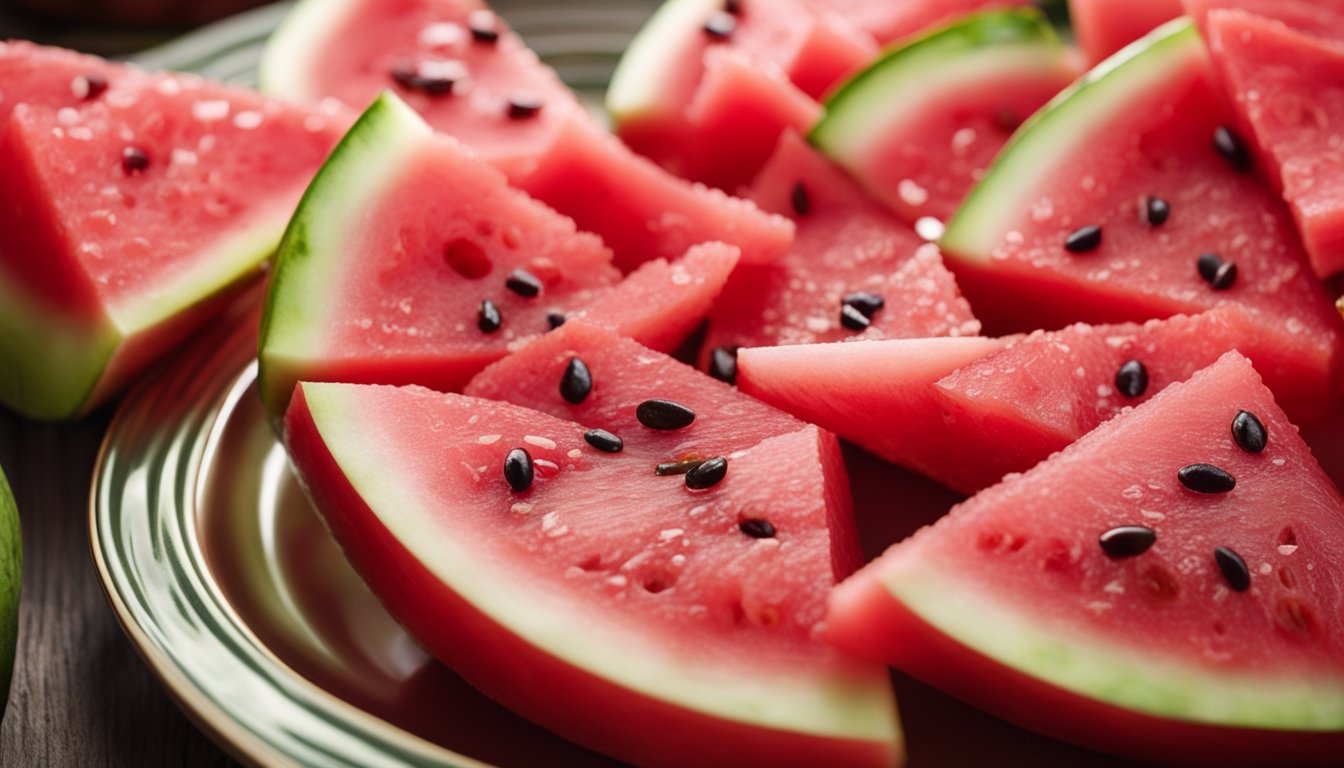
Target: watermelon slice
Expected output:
[1102,27]
[1288,88]
[920,125]
[891,21]
[846,244]
[615,606]
[1101,210]
[1212,633]
[460,67]
[1319,18]
[388,274]
[133,205]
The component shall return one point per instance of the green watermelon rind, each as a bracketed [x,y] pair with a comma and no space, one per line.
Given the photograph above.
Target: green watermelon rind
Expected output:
[652,53]
[1058,131]
[1097,669]
[11,570]
[302,38]
[859,707]
[1016,42]
[307,266]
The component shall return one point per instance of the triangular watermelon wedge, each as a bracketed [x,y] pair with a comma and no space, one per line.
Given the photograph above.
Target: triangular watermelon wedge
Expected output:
[411,261]
[133,204]
[1213,635]
[612,605]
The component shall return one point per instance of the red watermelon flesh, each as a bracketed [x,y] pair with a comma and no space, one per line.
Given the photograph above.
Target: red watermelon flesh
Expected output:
[504,103]
[846,242]
[42,76]
[1143,126]
[1319,18]
[1153,655]
[891,21]
[1289,89]
[1102,27]
[646,625]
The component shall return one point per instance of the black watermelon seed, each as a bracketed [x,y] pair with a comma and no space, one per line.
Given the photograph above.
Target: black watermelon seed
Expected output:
[802,204]
[89,87]
[577,382]
[1234,569]
[488,318]
[677,467]
[664,415]
[1127,541]
[866,302]
[721,25]
[555,319]
[757,528]
[1132,379]
[1232,148]
[603,441]
[1083,239]
[1249,432]
[708,474]
[524,105]
[723,364]
[852,318]
[1224,277]
[1206,478]
[523,283]
[518,470]
[437,81]
[484,27]
[133,160]
[1207,265]
[1156,211]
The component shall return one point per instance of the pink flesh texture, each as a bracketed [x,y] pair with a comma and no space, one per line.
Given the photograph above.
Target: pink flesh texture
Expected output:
[897,19]
[42,76]
[641,212]
[1036,535]
[927,169]
[1319,18]
[760,603]
[1289,89]
[846,242]
[1163,147]
[1102,27]
[877,394]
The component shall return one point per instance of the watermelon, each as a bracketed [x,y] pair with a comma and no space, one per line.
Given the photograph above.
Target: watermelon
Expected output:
[891,21]
[919,126]
[619,608]
[1104,206]
[412,261]
[1288,88]
[1102,27]
[846,244]
[1319,18]
[134,205]
[1187,621]
[460,67]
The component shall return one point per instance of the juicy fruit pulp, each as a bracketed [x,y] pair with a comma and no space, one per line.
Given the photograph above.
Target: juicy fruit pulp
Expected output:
[1158,654]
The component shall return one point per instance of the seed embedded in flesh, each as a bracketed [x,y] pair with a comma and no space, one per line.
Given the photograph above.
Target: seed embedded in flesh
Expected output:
[518,470]
[677,467]
[1206,478]
[133,160]
[866,302]
[721,25]
[523,283]
[434,78]
[707,474]
[723,364]
[1083,239]
[488,318]
[1232,148]
[1156,211]
[89,87]
[802,204]
[1127,541]
[1234,568]
[664,415]
[484,26]
[1216,272]
[853,319]
[555,319]
[1249,432]
[757,528]
[577,382]
[524,105]
[1132,379]
[603,441]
